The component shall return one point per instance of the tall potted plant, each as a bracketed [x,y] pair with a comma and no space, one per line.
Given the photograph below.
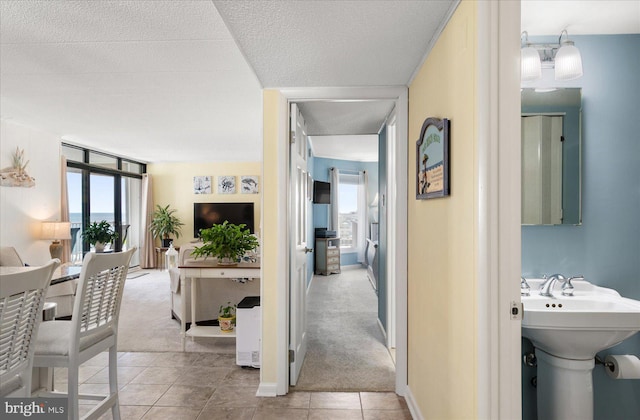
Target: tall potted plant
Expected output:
[226,241]
[164,224]
[99,234]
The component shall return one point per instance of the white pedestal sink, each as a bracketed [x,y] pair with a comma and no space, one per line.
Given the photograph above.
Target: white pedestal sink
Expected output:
[567,332]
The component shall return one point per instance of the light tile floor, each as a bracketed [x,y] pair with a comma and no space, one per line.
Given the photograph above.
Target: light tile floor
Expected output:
[206,386]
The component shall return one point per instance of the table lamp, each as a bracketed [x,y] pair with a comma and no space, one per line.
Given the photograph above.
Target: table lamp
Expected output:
[56,231]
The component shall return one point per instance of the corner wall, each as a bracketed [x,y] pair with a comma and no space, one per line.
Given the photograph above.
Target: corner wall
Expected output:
[274,253]
[442,267]
[22,209]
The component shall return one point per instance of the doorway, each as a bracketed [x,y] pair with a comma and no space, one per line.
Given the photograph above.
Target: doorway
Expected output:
[397,177]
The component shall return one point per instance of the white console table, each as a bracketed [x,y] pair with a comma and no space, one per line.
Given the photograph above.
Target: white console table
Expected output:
[206,270]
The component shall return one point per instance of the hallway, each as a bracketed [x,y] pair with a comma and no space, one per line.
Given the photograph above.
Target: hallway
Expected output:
[346,346]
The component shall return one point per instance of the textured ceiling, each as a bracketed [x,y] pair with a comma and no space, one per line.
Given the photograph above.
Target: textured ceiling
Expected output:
[334,43]
[363,148]
[156,81]
[340,117]
[167,81]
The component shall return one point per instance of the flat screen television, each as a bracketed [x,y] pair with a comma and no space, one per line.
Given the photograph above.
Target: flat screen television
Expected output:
[206,215]
[321,192]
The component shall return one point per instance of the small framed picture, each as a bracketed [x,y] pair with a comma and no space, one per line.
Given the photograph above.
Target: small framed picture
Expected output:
[226,184]
[432,159]
[202,185]
[249,184]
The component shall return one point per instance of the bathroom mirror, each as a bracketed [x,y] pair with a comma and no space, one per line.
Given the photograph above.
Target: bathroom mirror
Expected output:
[551,156]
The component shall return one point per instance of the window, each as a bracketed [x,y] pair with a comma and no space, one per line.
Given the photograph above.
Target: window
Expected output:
[348,211]
[103,187]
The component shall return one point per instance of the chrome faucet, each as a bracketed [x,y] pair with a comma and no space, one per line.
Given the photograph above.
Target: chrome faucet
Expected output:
[524,287]
[547,287]
[567,287]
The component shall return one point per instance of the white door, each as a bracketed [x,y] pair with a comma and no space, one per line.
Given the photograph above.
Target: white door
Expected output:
[298,271]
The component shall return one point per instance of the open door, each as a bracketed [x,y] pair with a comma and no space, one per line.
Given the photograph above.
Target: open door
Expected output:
[298,270]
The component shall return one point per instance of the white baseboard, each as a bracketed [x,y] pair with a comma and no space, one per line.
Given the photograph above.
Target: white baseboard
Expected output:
[356,266]
[267,389]
[413,407]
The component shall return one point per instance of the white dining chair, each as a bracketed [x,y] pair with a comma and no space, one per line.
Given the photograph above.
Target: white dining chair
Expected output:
[22,293]
[93,329]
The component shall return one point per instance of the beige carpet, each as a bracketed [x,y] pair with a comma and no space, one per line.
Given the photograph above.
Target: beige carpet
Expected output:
[346,350]
[145,319]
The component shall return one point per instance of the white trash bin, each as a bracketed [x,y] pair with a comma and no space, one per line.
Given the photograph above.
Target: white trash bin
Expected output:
[248,332]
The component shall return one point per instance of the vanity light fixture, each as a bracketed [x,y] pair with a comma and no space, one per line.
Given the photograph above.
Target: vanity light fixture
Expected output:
[568,60]
[564,57]
[531,67]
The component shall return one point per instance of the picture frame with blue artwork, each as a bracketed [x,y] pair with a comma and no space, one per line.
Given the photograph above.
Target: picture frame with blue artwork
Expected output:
[432,159]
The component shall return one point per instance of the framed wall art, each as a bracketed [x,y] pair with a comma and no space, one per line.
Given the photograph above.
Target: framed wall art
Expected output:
[249,184]
[202,185]
[226,184]
[432,159]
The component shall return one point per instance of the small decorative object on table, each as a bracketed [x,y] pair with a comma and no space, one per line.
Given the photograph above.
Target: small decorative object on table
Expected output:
[227,317]
[172,257]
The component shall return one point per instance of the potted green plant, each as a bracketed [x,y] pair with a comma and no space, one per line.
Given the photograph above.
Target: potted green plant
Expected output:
[227,242]
[164,224]
[99,234]
[227,317]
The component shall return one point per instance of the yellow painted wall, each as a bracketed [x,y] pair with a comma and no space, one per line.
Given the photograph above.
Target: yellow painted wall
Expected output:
[271,117]
[442,325]
[173,184]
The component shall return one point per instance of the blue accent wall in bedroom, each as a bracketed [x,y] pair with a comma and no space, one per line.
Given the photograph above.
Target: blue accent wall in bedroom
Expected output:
[382,228]
[606,247]
[321,173]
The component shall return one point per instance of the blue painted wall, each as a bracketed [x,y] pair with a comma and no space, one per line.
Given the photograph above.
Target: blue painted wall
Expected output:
[321,173]
[382,228]
[606,247]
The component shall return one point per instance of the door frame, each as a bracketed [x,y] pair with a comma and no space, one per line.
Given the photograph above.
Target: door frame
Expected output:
[499,220]
[399,94]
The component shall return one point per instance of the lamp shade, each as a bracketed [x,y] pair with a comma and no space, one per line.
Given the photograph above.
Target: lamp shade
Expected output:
[56,230]
[568,62]
[531,67]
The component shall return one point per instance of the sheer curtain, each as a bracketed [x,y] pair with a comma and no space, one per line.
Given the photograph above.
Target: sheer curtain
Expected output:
[64,208]
[363,200]
[334,175]
[147,251]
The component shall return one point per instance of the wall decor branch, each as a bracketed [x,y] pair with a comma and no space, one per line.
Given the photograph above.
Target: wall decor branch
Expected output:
[16,175]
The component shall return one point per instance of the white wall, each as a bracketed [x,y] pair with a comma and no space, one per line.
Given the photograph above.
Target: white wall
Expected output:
[21,209]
